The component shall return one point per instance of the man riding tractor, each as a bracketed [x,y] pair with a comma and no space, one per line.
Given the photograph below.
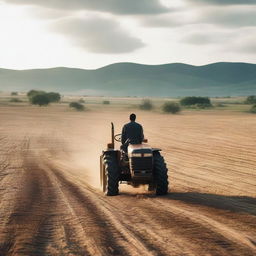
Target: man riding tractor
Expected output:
[132,133]
[135,164]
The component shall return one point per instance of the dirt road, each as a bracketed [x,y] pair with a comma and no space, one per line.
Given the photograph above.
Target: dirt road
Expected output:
[50,203]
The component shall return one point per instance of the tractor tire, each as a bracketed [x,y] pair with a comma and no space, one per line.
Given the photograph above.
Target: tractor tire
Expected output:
[111,174]
[160,174]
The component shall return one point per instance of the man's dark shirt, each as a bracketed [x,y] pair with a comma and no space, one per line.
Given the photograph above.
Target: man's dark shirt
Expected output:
[134,132]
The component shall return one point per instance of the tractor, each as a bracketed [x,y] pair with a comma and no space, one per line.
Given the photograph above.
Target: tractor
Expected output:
[138,165]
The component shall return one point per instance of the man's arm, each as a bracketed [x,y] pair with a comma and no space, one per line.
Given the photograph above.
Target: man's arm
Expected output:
[142,134]
[123,138]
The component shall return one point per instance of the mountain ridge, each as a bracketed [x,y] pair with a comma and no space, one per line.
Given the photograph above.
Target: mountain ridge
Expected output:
[134,79]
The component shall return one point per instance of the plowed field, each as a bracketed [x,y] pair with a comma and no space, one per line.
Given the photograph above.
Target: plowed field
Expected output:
[51,204]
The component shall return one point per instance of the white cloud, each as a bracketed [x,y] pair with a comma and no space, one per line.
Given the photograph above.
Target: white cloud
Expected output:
[97,34]
[112,6]
[223,2]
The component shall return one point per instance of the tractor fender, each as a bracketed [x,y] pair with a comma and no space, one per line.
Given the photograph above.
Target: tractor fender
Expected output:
[110,152]
[156,150]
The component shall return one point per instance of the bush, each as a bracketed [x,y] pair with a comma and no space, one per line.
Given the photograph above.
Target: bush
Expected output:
[188,101]
[146,105]
[171,107]
[40,99]
[106,102]
[253,109]
[15,100]
[32,93]
[14,93]
[251,99]
[53,96]
[77,106]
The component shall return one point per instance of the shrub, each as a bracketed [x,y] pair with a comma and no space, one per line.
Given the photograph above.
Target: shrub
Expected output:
[106,102]
[53,96]
[253,109]
[77,106]
[40,99]
[171,107]
[251,99]
[146,105]
[32,93]
[188,101]
[14,93]
[15,100]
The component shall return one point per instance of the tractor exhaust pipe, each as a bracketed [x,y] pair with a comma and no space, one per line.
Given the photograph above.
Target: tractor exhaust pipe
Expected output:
[112,144]
[112,135]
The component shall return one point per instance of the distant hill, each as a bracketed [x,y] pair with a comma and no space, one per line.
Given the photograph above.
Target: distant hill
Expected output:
[130,79]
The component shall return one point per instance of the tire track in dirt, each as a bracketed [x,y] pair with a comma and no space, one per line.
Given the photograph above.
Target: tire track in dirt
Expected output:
[158,227]
[49,209]
[119,239]
[29,222]
[207,228]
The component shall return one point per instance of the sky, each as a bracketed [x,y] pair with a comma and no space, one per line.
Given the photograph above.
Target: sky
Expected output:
[90,34]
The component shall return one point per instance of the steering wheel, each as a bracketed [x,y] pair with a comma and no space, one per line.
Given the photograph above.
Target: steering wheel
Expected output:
[118,137]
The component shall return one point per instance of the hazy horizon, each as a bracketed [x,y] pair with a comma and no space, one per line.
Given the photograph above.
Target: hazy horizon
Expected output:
[125,62]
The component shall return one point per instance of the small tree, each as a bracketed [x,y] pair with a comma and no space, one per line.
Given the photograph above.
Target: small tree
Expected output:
[77,106]
[171,107]
[32,93]
[106,102]
[40,99]
[188,101]
[146,104]
[251,99]
[14,93]
[253,109]
[53,96]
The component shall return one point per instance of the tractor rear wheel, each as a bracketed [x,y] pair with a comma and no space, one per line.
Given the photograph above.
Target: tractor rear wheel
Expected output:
[160,174]
[111,175]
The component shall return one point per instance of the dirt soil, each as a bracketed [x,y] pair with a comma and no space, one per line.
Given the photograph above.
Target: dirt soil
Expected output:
[51,204]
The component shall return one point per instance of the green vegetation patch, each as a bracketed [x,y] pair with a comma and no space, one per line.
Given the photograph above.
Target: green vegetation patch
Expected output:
[43,98]
[250,99]
[77,106]
[188,101]
[40,99]
[253,109]
[146,105]
[171,107]
[53,96]
[196,102]
[106,102]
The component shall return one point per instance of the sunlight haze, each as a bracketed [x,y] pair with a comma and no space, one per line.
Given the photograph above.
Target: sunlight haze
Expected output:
[89,35]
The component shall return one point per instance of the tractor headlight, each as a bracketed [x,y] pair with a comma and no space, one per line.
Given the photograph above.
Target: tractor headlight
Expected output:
[141,154]
[136,155]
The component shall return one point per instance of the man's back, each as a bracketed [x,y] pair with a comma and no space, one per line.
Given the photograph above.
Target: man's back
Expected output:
[132,131]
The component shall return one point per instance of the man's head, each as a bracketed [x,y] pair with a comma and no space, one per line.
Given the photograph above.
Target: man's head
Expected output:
[132,117]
